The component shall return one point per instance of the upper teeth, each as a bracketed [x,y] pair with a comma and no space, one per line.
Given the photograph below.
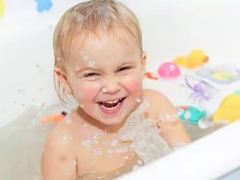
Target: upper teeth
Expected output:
[112,102]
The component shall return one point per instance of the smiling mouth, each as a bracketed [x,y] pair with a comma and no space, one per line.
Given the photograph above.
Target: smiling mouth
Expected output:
[111,105]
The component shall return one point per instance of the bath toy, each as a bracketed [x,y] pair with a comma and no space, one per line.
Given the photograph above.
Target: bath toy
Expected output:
[229,108]
[194,59]
[190,113]
[168,70]
[43,5]
[221,74]
[150,75]
[201,90]
[54,118]
[2,8]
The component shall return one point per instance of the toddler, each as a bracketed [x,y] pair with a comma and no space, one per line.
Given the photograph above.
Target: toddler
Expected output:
[117,126]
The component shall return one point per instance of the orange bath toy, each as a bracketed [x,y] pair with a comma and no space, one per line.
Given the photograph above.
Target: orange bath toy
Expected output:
[150,75]
[194,59]
[54,118]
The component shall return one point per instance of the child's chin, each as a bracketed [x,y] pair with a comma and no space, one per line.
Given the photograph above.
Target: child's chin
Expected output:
[112,122]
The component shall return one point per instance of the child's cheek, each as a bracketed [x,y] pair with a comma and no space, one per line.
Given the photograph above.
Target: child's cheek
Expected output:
[87,92]
[134,85]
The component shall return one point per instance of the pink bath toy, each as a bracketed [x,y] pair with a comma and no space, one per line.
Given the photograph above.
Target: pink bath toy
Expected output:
[168,70]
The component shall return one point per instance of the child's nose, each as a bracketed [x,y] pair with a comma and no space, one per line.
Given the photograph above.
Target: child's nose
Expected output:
[111,86]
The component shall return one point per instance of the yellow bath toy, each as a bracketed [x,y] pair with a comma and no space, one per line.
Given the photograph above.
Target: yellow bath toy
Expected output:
[229,108]
[194,59]
[2,7]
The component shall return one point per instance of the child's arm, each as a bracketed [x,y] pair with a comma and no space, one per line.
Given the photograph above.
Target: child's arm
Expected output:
[58,160]
[171,127]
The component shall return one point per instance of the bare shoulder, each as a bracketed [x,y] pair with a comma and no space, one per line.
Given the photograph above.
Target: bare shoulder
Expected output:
[158,102]
[59,154]
[160,108]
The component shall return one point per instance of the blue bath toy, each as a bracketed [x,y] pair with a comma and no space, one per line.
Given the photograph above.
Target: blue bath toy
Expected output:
[43,5]
[190,113]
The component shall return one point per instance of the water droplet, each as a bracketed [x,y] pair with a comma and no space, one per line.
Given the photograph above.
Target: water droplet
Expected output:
[21,92]
[138,100]
[91,63]
[43,150]
[33,99]
[97,152]
[40,89]
[15,101]
[109,152]
[187,115]
[80,17]
[75,163]
[77,68]
[85,58]
[44,105]
[104,90]
[85,125]
[135,167]
[63,137]
[58,59]
[68,120]
[38,66]
[23,105]
[71,73]
[86,143]
[81,105]
[114,142]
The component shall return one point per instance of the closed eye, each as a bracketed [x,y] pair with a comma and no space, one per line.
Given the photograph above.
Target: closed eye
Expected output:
[90,74]
[124,68]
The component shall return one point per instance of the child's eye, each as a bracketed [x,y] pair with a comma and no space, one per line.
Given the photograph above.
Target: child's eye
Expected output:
[124,68]
[90,74]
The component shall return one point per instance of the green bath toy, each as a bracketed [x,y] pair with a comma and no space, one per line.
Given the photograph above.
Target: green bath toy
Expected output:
[190,113]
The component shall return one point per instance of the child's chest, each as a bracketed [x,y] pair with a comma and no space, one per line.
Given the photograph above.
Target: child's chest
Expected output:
[107,159]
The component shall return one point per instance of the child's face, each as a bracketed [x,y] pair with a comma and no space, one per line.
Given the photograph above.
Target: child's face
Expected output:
[105,76]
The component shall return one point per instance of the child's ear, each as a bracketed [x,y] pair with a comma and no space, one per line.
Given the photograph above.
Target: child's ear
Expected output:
[63,80]
[143,61]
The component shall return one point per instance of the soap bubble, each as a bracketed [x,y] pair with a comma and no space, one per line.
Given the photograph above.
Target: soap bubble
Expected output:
[91,63]
[97,152]
[63,137]
[21,92]
[204,124]
[44,105]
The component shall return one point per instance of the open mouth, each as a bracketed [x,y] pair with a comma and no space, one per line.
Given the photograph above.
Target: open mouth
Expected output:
[111,106]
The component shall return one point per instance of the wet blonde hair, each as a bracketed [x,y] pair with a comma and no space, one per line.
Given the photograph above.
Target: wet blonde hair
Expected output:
[93,17]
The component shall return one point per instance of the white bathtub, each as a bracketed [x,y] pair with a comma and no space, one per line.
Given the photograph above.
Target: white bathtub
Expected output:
[170,29]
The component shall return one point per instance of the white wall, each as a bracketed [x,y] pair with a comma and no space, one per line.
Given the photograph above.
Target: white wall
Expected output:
[170,28]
